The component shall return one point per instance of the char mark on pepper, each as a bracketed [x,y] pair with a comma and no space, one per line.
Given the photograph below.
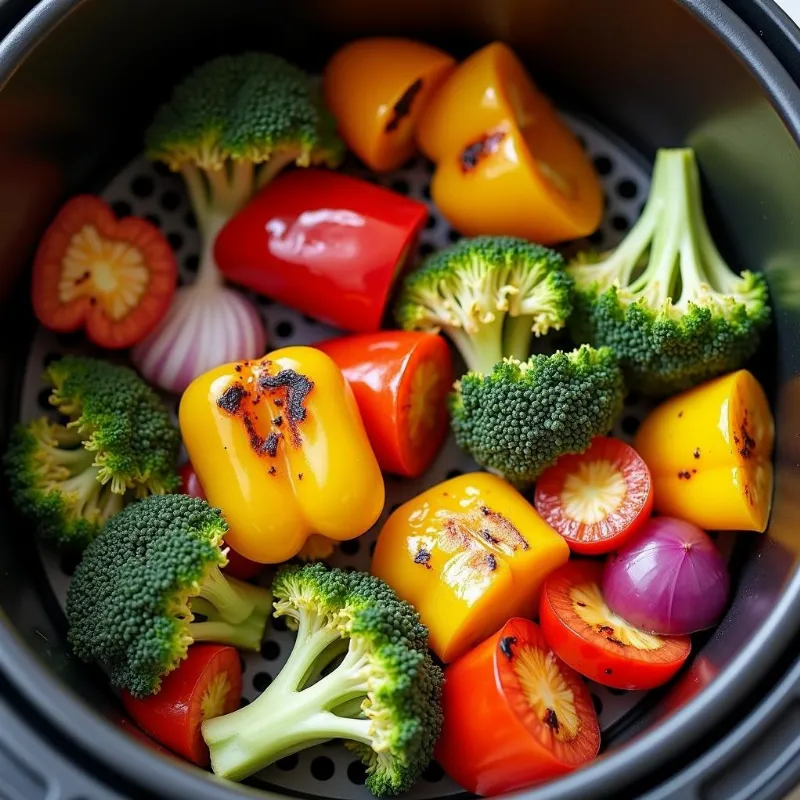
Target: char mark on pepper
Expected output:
[423,557]
[402,108]
[231,399]
[297,388]
[502,531]
[506,645]
[474,153]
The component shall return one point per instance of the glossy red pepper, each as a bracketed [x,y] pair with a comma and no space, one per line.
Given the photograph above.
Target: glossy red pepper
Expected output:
[238,566]
[207,684]
[113,277]
[400,380]
[326,244]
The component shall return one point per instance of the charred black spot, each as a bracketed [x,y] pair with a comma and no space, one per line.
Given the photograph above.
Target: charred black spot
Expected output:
[278,421]
[231,399]
[272,470]
[423,557]
[278,402]
[551,719]
[580,605]
[491,562]
[81,279]
[238,367]
[270,446]
[297,388]
[685,475]
[473,153]
[506,645]
[402,108]
[299,476]
[696,453]
[748,442]
[487,534]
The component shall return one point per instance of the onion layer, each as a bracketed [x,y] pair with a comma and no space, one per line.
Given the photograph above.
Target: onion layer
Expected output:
[670,579]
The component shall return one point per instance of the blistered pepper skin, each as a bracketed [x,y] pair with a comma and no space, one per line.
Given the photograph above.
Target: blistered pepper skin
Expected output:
[469,554]
[282,463]
[709,450]
[506,163]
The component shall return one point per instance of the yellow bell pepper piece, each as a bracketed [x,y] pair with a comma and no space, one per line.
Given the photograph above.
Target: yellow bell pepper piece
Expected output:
[709,450]
[469,554]
[279,446]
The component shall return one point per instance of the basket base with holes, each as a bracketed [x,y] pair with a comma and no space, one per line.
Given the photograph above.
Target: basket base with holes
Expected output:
[149,191]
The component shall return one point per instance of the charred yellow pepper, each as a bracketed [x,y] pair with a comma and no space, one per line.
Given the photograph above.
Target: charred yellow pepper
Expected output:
[279,446]
[709,451]
[469,554]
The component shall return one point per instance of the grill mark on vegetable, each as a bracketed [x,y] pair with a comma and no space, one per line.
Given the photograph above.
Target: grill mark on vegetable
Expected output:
[270,446]
[551,719]
[231,399]
[423,557]
[474,153]
[510,534]
[747,441]
[607,632]
[402,108]
[506,643]
[491,562]
[297,388]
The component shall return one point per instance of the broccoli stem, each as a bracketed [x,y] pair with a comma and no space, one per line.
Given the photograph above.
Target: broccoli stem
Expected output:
[483,348]
[282,722]
[517,337]
[233,600]
[246,635]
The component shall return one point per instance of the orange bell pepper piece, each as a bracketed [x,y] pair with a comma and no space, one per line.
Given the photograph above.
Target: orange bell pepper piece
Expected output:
[506,163]
[376,89]
[468,554]
[279,446]
[709,450]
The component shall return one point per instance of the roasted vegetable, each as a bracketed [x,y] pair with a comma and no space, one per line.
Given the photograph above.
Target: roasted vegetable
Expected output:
[521,417]
[664,299]
[381,696]
[279,446]
[118,444]
[468,553]
[488,294]
[132,601]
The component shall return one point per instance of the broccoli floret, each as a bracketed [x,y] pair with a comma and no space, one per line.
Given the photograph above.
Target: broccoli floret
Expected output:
[664,299]
[382,697]
[233,124]
[118,444]
[488,294]
[132,601]
[519,419]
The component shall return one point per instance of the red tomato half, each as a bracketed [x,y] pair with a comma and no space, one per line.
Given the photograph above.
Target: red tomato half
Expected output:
[326,244]
[207,684]
[238,566]
[401,380]
[585,633]
[598,499]
[514,714]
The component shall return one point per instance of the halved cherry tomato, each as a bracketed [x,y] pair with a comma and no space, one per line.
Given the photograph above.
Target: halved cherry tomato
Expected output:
[401,380]
[598,499]
[376,88]
[238,566]
[514,714]
[326,244]
[585,633]
[114,277]
[207,684]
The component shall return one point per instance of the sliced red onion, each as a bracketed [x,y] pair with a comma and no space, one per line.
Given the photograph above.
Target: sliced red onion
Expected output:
[670,579]
[207,325]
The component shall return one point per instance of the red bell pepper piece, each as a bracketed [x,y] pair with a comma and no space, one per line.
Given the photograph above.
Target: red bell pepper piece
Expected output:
[326,244]
[400,380]
[238,566]
[514,714]
[113,277]
[207,684]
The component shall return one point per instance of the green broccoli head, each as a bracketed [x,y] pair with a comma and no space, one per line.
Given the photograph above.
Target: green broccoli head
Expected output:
[381,691]
[664,299]
[523,416]
[235,122]
[488,294]
[132,601]
[118,444]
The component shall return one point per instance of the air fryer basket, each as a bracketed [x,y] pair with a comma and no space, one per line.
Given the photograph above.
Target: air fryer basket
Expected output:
[630,77]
